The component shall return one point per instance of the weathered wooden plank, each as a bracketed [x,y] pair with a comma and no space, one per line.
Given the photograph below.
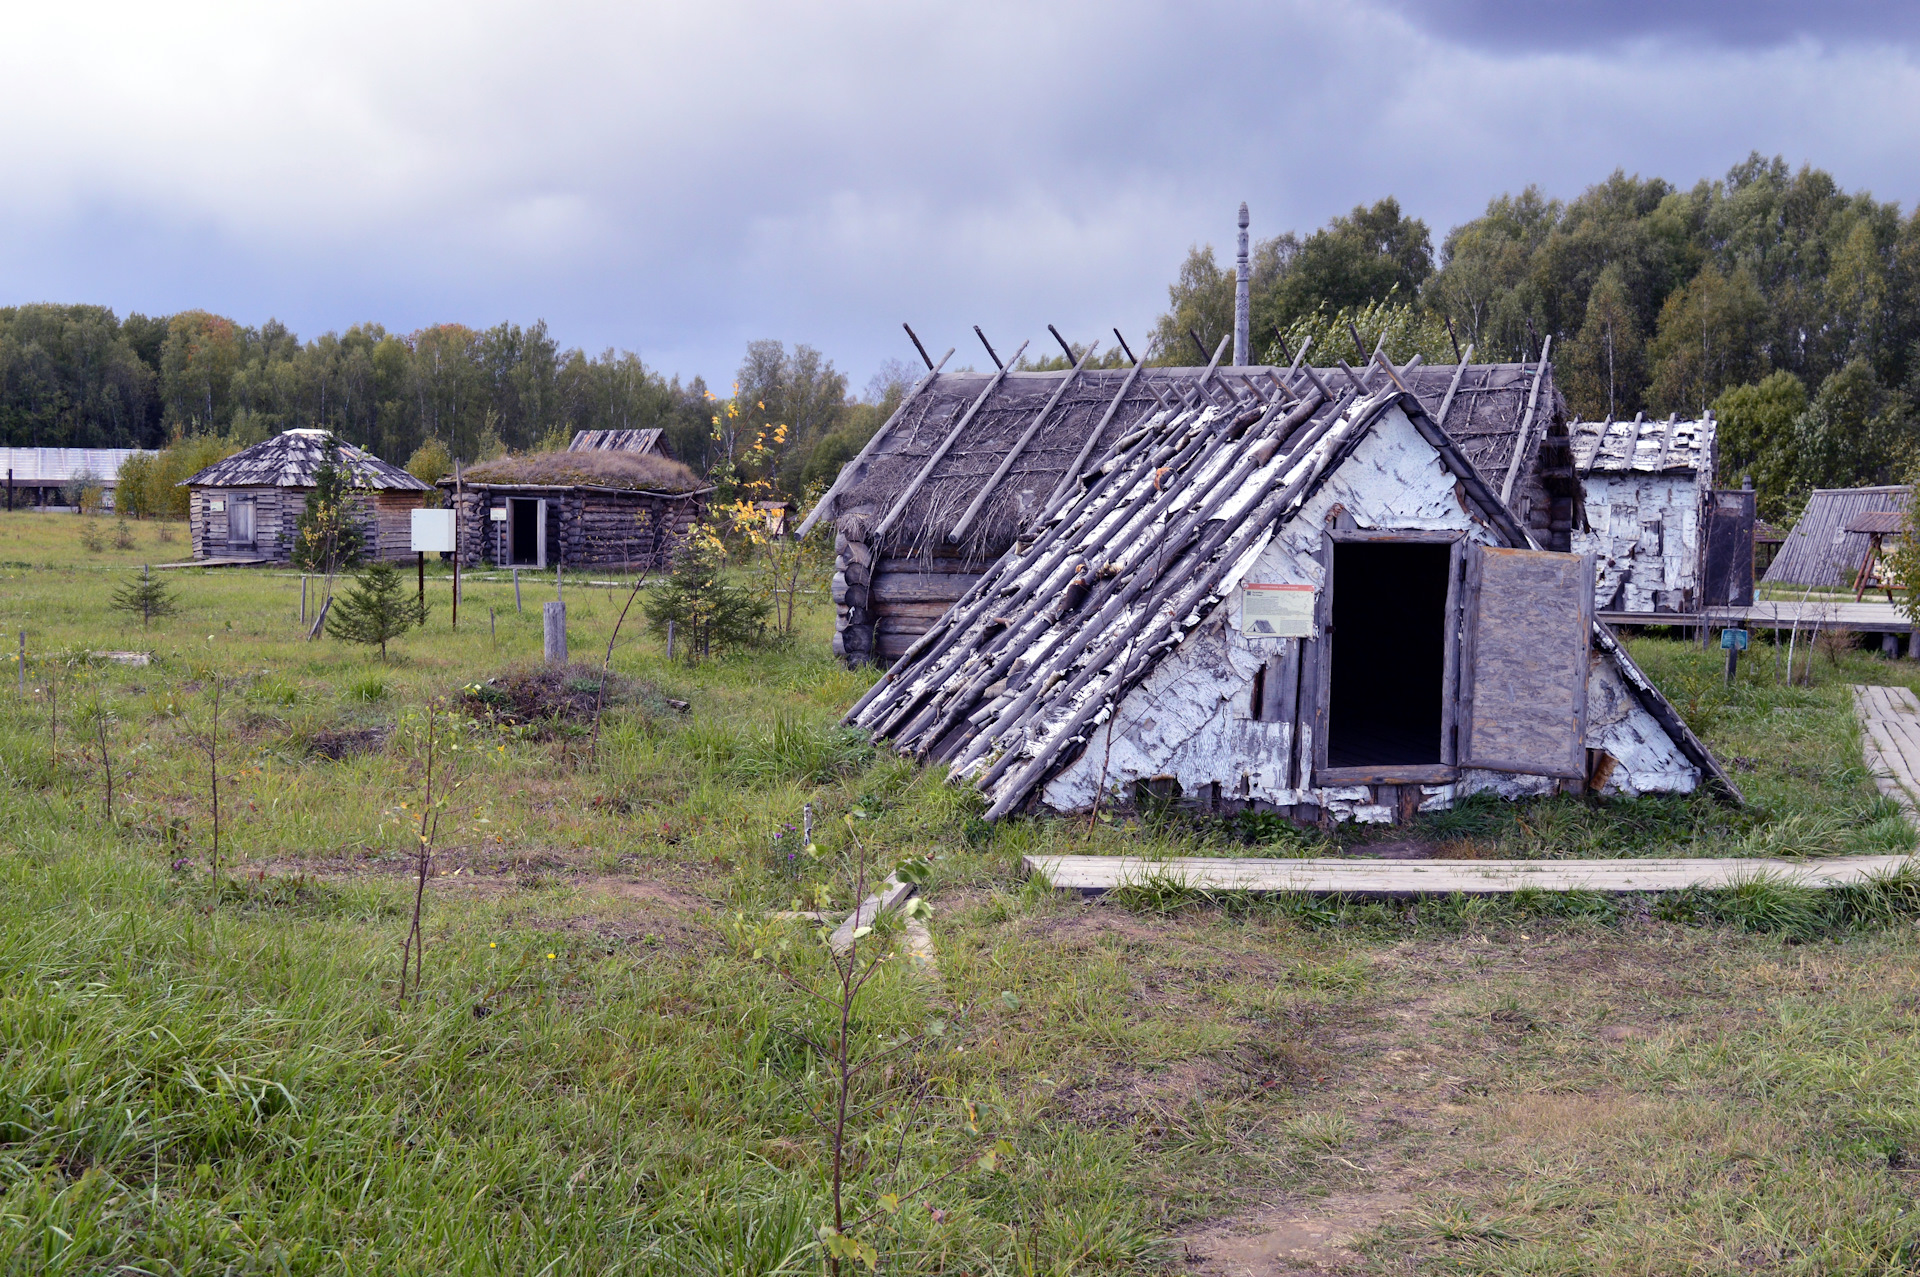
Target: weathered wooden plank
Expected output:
[1890,723]
[1476,877]
[1530,625]
[919,587]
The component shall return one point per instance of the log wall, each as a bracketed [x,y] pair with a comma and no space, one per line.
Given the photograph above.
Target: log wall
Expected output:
[586,528]
[882,605]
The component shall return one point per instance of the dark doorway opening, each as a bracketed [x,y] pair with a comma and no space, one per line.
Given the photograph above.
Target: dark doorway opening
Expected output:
[524,519]
[1388,653]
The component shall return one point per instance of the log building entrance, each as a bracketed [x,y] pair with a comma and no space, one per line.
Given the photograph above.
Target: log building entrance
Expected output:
[1387,686]
[527,532]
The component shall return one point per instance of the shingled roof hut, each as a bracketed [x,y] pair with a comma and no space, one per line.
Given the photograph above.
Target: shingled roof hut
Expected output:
[1665,542]
[1171,626]
[1821,550]
[248,506]
[971,460]
[651,440]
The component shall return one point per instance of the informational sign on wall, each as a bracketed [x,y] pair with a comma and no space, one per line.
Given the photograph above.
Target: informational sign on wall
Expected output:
[432,532]
[1276,611]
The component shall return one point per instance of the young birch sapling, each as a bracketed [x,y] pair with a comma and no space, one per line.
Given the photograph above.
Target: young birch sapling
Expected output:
[415,945]
[834,978]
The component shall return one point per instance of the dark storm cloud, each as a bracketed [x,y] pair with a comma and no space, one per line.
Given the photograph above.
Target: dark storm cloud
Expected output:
[1585,24]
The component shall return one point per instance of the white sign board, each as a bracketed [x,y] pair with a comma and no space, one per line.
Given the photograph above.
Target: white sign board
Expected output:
[498,514]
[432,531]
[1277,611]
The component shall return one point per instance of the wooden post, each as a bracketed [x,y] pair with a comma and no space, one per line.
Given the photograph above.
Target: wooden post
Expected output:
[516,591]
[9,489]
[303,598]
[456,545]
[1733,663]
[553,617]
[422,556]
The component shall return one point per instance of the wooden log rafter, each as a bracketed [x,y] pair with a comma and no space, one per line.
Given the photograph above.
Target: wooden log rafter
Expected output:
[858,464]
[980,498]
[901,502]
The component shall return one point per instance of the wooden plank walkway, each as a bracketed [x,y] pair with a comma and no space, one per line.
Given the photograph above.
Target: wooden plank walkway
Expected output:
[1782,614]
[1890,727]
[1439,877]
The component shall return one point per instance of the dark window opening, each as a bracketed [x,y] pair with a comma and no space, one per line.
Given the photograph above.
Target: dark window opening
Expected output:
[1259,692]
[1387,653]
[524,520]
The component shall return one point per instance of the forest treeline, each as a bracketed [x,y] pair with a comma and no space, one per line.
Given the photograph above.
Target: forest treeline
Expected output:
[1787,304]
[78,376]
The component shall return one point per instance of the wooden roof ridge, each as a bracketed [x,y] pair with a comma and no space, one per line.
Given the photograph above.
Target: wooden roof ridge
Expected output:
[1008,685]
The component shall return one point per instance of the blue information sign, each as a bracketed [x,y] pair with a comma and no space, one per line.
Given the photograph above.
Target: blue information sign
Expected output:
[1733,640]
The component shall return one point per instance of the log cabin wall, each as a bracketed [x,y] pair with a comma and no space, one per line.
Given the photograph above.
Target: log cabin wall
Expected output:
[586,527]
[385,519]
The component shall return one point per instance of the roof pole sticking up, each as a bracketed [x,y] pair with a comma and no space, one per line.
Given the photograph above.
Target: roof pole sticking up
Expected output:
[1072,475]
[1199,345]
[1526,423]
[989,345]
[1073,360]
[1242,297]
[946,445]
[917,346]
[858,464]
[1123,346]
[1020,445]
[1453,387]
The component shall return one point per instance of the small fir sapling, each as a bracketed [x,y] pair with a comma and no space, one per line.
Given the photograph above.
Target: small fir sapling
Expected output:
[145,596]
[377,609]
[707,610]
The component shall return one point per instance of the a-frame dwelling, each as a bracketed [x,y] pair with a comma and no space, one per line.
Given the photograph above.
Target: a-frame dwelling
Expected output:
[1313,607]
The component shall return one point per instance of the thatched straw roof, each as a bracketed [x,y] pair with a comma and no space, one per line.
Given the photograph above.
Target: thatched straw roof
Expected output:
[636,471]
[292,458]
[1488,407]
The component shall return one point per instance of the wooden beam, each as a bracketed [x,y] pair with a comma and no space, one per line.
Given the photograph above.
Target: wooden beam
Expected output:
[1526,424]
[989,345]
[854,467]
[1453,387]
[946,445]
[1361,876]
[1072,475]
[914,338]
[1019,447]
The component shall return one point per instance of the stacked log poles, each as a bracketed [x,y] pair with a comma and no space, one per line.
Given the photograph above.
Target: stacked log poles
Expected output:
[1295,476]
[959,529]
[1040,680]
[1072,475]
[853,468]
[853,575]
[1189,436]
[1034,635]
[934,644]
[1031,634]
[1225,548]
[939,454]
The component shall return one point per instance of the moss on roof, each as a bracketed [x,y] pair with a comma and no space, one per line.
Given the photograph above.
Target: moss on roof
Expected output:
[637,470]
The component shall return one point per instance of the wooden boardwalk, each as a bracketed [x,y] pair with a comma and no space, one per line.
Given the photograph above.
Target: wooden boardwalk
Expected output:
[1439,877]
[1890,727]
[1782,614]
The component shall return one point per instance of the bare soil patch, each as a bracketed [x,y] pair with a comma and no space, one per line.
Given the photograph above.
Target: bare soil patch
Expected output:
[546,702]
[1296,1237]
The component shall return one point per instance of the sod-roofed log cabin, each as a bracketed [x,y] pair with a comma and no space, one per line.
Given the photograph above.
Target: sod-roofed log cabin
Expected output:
[611,509]
[248,506]
[971,462]
[1319,605]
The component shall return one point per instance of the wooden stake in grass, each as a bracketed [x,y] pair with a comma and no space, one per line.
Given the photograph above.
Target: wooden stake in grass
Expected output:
[213,783]
[106,760]
[415,945]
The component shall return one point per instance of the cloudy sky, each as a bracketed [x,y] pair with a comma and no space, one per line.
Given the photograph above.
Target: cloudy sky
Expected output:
[679,179]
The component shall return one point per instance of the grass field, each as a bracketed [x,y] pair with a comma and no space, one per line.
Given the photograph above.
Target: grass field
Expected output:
[600,1076]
